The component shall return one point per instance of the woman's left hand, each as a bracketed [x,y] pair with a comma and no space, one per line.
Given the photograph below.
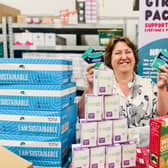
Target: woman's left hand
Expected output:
[162,78]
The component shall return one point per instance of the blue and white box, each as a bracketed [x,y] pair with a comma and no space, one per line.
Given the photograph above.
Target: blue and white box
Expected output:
[37,97]
[35,71]
[37,147]
[47,164]
[38,123]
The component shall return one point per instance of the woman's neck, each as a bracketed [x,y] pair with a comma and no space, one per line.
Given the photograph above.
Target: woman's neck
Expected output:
[123,80]
[123,77]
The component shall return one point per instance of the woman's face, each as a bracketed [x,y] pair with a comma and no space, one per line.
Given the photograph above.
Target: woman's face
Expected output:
[122,59]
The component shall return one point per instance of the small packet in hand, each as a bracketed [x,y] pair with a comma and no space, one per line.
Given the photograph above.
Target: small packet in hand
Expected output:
[86,53]
[91,56]
[160,60]
[95,57]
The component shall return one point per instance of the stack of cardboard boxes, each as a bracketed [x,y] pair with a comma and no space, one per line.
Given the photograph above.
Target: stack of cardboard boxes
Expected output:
[103,135]
[37,109]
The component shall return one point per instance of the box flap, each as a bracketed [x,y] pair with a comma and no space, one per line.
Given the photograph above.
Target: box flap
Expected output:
[9,159]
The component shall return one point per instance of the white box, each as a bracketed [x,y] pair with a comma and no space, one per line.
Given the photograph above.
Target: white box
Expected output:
[93,107]
[38,39]
[97,157]
[103,82]
[80,156]
[19,38]
[50,39]
[113,156]
[111,106]
[120,130]
[104,132]
[88,133]
[28,38]
[92,40]
[133,135]
[70,39]
[129,155]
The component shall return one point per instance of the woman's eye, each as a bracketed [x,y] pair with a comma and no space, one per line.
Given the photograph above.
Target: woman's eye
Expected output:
[128,52]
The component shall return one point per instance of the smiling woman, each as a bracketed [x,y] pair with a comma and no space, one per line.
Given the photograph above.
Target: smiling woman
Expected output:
[140,98]
[123,50]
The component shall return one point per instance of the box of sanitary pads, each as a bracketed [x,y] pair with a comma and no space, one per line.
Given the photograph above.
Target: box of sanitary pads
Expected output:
[40,123]
[113,156]
[103,84]
[120,130]
[97,157]
[37,163]
[37,97]
[35,71]
[88,133]
[104,130]
[111,106]
[80,156]
[128,154]
[38,147]
[93,107]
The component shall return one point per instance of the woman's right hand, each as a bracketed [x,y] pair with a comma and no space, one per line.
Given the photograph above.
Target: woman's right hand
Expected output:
[89,75]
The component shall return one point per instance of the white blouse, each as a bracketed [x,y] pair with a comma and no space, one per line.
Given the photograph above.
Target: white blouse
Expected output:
[140,105]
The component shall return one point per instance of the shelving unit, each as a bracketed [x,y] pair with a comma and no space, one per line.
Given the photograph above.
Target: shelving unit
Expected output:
[3,36]
[76,29]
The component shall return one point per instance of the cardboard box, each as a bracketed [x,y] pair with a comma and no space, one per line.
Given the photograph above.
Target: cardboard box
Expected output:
[9,159]
[8,11]
[158,145]
[106,35]
[21,19]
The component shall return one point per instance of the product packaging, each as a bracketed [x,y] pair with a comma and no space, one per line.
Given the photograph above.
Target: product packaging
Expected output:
[93,107]
[160,60]
[91,56]
[158,146]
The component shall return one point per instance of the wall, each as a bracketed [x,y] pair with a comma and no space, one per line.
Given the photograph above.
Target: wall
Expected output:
[113,11]
[107,9]
[39,7]
[116,8]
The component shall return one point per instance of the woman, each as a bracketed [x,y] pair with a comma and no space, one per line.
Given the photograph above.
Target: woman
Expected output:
[140,98]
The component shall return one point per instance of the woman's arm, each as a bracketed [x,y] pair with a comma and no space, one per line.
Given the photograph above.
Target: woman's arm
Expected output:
[89,89]
[162,103]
